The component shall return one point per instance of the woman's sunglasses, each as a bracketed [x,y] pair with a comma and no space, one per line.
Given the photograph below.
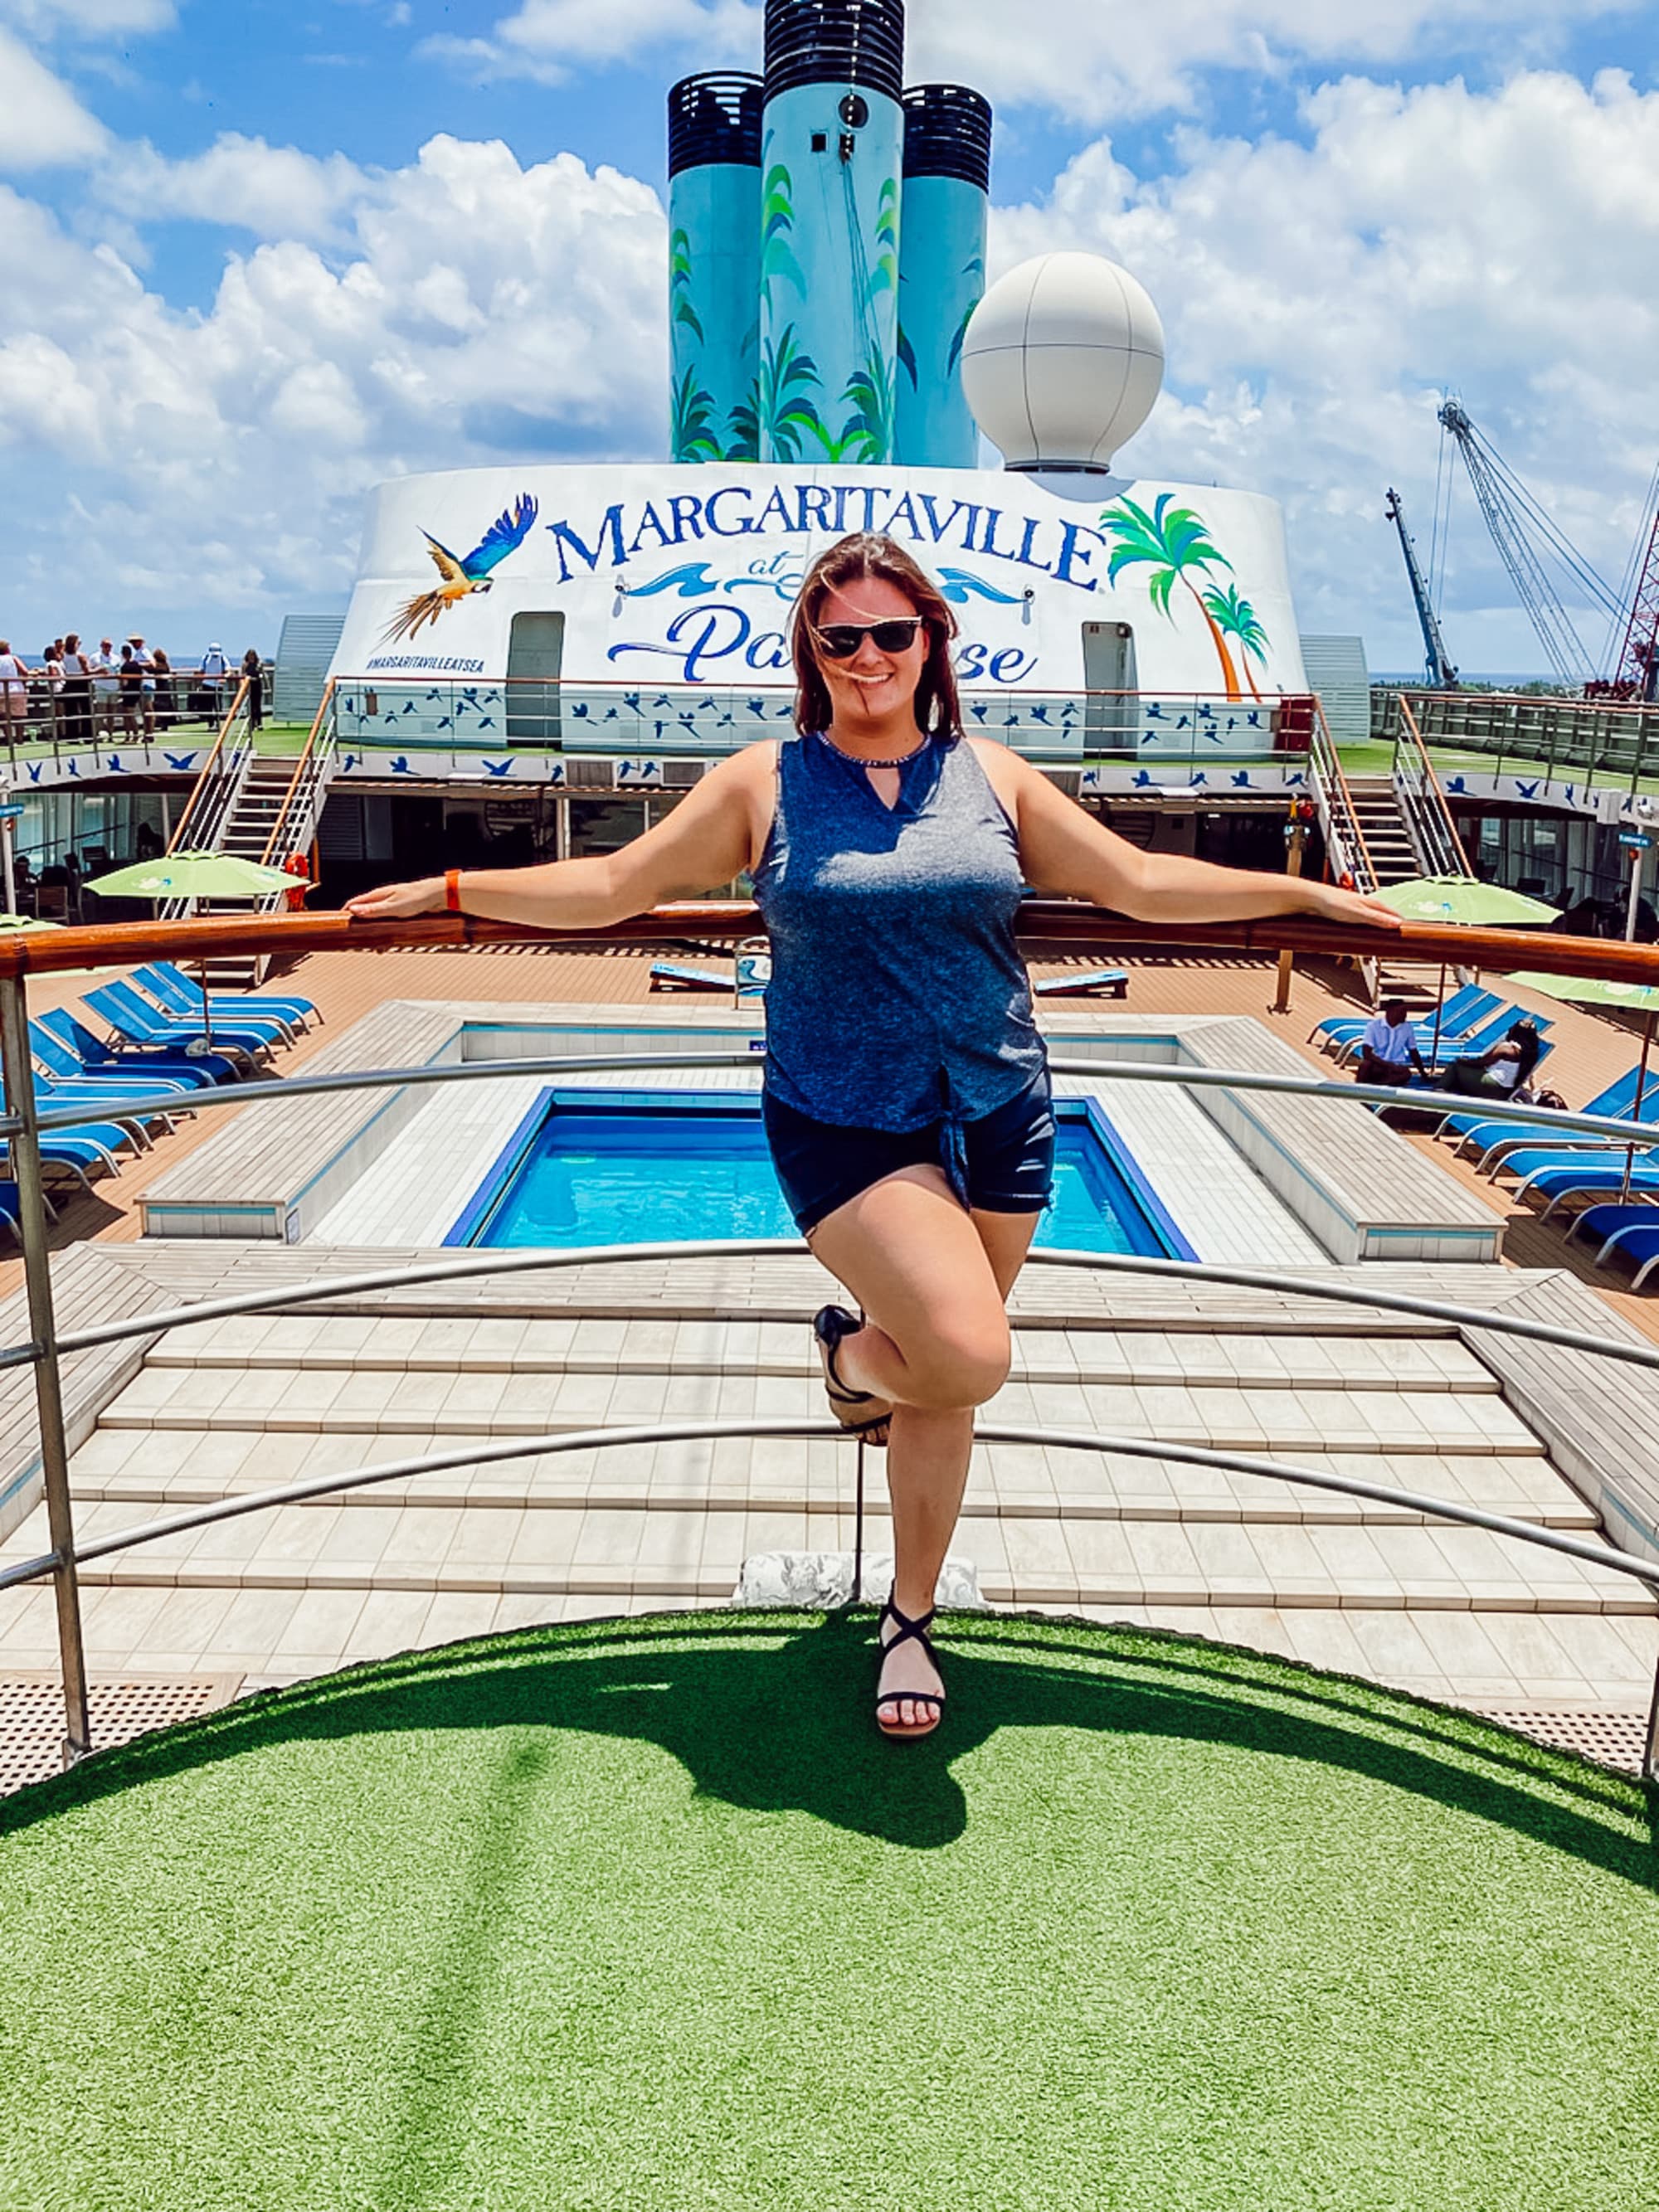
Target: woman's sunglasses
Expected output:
[840,640]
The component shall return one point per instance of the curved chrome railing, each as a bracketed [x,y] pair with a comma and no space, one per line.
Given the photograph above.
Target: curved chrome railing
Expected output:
[24,1126]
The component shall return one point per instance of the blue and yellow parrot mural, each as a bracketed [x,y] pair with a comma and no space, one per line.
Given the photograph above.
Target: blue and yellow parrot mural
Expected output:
[461,578]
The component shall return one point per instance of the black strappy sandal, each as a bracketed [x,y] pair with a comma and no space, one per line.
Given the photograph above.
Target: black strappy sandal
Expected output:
[858,1411]
[909,1631]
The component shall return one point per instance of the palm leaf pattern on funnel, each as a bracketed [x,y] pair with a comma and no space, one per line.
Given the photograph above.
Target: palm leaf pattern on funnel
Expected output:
[1175,542]
[868,432]
[788,378]
[694,429]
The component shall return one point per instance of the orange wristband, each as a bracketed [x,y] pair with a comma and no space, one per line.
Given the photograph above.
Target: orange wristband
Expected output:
[452,891]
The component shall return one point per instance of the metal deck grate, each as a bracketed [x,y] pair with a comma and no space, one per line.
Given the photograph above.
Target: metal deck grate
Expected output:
[32,1716]
[1618,1741]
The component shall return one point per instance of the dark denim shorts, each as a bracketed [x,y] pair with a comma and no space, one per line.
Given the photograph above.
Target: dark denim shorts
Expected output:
[1002,1164]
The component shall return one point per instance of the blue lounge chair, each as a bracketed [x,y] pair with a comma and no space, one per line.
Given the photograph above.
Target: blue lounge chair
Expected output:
[177,997]
[275,1031]
[1599,1222]
[11,1208]
[1557,1176]
[131,1015]
[103,1107]
[58,1066]
[66,1047]
[75,1154]
[1485,1136]
[1459,1014]
[1631,1233]
[670,975]
[1112,983]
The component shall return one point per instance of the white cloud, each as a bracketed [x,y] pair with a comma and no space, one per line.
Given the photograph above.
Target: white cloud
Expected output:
[1085,59]
[42,124]
[468,309]
[1317,296]
[89,18]
[483,310]
[275,192]
[548,39]
[1090,61]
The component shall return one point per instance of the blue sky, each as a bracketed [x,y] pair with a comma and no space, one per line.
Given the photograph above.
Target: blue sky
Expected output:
[233,291]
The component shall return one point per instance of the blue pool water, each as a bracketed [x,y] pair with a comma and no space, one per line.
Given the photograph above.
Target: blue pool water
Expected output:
[604,1168]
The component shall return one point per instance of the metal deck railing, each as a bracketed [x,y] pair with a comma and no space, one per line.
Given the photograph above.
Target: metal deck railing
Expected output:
[23,1126]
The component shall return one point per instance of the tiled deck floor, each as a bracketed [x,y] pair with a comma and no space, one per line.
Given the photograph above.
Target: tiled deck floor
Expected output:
[1444,1611]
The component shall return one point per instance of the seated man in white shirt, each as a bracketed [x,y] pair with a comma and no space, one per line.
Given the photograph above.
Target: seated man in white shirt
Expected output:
[1387,1047]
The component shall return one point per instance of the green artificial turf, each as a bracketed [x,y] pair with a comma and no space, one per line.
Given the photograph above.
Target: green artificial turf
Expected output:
[645,1915]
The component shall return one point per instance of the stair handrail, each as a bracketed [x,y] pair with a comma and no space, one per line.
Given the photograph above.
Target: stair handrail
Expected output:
[1425,804]
[1340,817]
[194,815]
[310,774]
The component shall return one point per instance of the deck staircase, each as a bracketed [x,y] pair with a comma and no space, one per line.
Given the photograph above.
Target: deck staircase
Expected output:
[1386,831]
[234,1406]
[260,807]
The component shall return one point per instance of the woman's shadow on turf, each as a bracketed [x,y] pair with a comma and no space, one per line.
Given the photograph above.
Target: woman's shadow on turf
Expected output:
[773,1716]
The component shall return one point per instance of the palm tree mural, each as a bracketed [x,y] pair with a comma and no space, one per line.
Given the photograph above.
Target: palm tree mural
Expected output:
[695,435]
[785,406]
[777,227]
[1235,618]
[680,283]
[869,431]
[743,427]
[885,276]
[1175,542]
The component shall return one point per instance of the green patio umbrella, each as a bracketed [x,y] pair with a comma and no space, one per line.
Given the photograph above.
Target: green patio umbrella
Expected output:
[16,923]
[1633,998]
[193,876]
[1466,904]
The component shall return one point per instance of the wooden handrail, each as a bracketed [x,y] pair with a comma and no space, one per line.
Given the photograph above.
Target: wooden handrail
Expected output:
[300,767]
[1350,811]
[1064,925]
[176,843]
[1448,820]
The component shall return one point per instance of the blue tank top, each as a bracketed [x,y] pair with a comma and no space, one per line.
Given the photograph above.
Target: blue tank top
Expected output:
[898,997]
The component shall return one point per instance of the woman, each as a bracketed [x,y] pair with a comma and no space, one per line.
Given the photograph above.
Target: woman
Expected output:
[907,1100]
[1505,1072]
[77,693]
[167,696]
[253,675]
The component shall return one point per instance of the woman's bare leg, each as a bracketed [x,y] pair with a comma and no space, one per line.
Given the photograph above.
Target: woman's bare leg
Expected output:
[934,1282]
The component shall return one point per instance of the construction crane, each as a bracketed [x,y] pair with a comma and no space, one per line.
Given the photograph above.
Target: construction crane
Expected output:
[1441,676]
[1531,544]
[1635,671]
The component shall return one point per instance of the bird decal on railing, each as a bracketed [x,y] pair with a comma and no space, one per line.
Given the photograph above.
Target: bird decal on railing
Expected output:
[461,578]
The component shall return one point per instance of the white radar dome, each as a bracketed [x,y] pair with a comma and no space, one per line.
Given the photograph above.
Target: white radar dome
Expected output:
[1062,362]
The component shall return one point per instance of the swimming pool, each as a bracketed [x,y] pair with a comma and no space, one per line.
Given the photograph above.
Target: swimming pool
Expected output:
[613,1167]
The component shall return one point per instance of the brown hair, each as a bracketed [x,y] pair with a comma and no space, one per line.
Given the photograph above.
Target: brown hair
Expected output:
[939,709]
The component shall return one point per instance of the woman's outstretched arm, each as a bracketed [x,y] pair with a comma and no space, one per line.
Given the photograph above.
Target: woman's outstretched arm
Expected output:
[1066,852]
[709,840]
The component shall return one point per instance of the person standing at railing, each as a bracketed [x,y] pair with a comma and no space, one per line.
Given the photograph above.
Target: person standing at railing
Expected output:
[129,674]
[76,693]
[214,670]
[907,1102]
[106,685]
[14,694]
[253,675]
[166,695]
